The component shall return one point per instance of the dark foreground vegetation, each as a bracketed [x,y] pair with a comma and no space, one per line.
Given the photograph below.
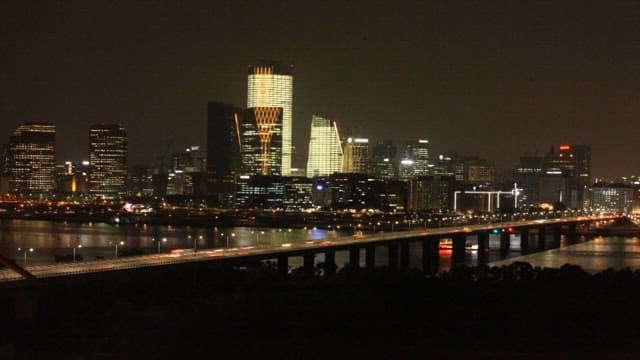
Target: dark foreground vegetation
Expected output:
[509,312]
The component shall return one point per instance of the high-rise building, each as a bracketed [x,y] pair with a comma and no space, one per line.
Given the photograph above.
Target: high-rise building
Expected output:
[224,146]
[108,160]
[32,160]
[356,156]
[383,160]
[261,136]
[415,161]
[270,85]
[325,150]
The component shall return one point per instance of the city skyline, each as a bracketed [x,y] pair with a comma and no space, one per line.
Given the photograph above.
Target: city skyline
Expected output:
[493,80]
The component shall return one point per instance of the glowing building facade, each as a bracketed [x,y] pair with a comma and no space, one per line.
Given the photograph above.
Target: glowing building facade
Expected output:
[270,85]
[32,160]
[108,160]
[261,135]
[356,156]
[325,150]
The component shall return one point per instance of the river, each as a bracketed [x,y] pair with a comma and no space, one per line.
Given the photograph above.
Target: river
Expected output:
[99,240]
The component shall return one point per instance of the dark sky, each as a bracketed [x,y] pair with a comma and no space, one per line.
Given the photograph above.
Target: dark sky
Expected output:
[494,79]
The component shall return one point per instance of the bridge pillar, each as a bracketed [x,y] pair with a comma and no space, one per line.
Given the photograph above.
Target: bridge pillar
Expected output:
[430,255]
[370,257]
[483,246]
[505,242]
[524,241]
[573,233]
[354,256]
[309,265]
[393,255]
[283,265]
[330,262]
[458,250]
[404,254]
[557,236]
[542,237]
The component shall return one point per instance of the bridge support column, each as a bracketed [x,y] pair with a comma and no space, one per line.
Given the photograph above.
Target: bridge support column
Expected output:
[370,257]
[458,250]
[542,237]
[430,255]
[557,236]
[483,247]
[524,241]
[404,254]
[330,262]
[573,233]
[505,242]
[354,257]
[309,263]
[283,265]
[393,256]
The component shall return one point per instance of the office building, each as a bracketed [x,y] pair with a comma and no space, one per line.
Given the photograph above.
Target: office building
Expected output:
[270,85]
[415,160]
[108,160]
[224,147]
[325,150]
[356,156]
[261,137]
[383,160]
[32,160]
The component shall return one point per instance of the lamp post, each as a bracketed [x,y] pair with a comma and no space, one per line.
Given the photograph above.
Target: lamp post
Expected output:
[25,254]
[120,243]
[164,240]
[232,235]
[195,243]
[74,252]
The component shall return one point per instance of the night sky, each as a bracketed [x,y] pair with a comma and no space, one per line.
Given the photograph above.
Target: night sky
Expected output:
[493,79]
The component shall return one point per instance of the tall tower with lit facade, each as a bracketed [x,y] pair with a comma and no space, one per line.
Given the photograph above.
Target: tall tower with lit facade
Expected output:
[262,141]
[270,85]
[32,160]
[356,156]
[108,160]
[325,150]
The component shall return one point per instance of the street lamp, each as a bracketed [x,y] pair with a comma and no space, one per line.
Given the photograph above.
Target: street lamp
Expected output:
[74,252]
[25,254]
[195,243]
[120,243]
[232,235]
[164,240]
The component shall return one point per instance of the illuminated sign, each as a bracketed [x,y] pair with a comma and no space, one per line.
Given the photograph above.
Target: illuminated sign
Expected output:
[565,147]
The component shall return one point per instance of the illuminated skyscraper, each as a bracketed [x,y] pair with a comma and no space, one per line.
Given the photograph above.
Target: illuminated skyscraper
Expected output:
[270,85]
[416,159]
[32,159]
[325,150]
[356,156]
[261,130]
[108,160]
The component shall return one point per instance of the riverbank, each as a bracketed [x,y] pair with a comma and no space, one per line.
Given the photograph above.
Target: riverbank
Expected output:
[500,312]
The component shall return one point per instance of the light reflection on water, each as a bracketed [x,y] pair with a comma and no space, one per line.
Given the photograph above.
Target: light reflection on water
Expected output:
[596,255]
[58,238]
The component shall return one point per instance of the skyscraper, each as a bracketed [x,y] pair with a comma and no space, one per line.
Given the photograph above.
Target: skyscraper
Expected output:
[32,159]
[415,161]
[223,149]
[325,150]
[356,156]
[108,160]
[261,137]
[383,160]
[270,85]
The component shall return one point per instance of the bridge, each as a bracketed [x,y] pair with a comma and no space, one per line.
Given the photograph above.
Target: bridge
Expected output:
[398,244]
